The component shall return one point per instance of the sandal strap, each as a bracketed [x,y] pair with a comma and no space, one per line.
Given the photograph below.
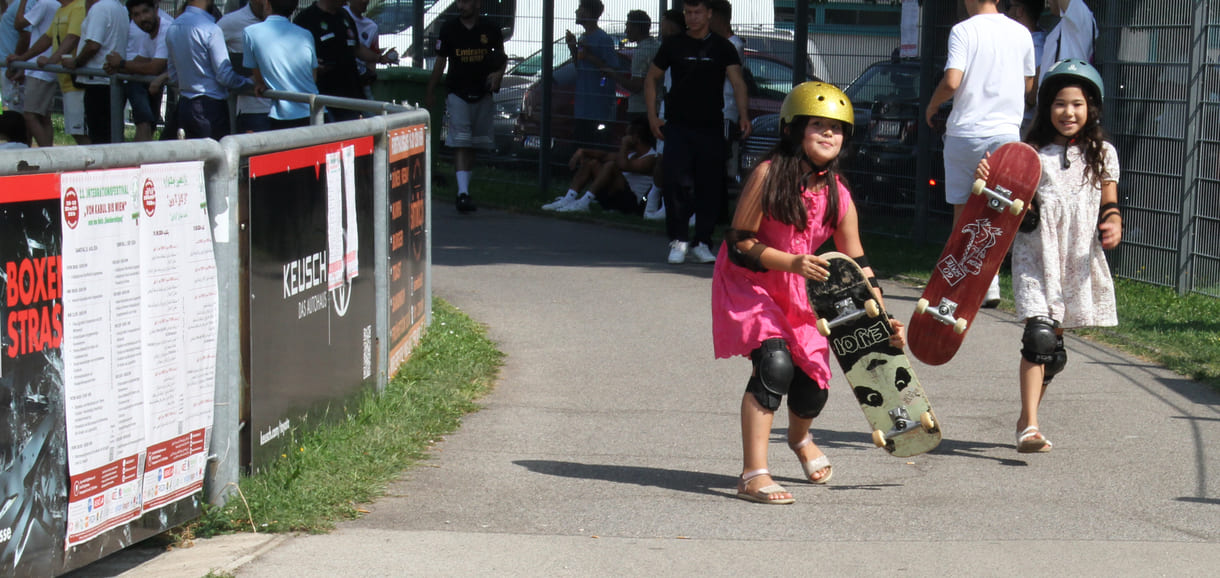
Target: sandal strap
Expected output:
[1028,432]
[808,440]
[747,476]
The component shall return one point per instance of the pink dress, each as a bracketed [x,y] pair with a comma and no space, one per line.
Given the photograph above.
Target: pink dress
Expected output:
[749,307]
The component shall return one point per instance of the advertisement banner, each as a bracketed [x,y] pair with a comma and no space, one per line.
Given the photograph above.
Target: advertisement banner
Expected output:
[311,314]
[408,239]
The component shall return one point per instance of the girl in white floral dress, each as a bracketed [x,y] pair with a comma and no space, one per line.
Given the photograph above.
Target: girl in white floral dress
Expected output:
[1059,272]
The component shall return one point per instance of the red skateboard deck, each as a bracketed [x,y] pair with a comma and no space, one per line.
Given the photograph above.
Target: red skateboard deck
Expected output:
[973,254]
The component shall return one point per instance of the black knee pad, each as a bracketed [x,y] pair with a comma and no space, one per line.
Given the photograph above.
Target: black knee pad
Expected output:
[806,398]
[773,371]
[1038,341]
[1058,362]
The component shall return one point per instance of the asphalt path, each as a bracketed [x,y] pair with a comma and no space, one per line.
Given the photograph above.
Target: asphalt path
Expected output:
[611,445]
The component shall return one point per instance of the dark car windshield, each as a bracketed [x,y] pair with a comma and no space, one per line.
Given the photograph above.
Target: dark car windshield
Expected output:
[394,16]
[885,82]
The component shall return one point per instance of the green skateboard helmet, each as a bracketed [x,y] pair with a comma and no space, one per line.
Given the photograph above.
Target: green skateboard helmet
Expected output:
[1073,69]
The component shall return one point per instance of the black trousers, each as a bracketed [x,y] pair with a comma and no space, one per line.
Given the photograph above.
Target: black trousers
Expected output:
[203,117]
[693,169]
[97,112]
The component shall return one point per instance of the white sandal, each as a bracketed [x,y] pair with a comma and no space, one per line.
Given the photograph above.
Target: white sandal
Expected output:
[816,464]
[761,495]
[1031,441]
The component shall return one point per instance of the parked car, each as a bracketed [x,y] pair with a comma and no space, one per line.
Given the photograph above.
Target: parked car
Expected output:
[768,78]
[880,158]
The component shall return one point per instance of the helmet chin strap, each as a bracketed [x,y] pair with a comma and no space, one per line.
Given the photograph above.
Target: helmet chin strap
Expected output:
[814,168]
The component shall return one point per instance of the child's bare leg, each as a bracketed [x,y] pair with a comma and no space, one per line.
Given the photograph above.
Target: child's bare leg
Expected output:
[1031,393]
[755,433]
[798,429]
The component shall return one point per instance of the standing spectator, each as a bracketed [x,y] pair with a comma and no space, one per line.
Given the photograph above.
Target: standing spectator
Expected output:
[1072,37]
[693,129]
[595,90]
[199,65]
[989,74]
[281,55]
[672,23]
[103,31]
[336,38]
[31,20]
[367,30]
[1027,12]
[12,84]
[252,111]
[722,24]
[145,54]
[473,49]
[638,30]
[60,39]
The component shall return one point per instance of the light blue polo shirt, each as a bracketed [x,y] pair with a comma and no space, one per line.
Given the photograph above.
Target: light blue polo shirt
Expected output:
[285,55]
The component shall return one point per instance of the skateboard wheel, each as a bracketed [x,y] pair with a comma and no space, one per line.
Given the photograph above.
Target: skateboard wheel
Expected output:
[1016,207]
[872,308]
[823,328]
[921,306]
[977,188]
[878,438]
[927,421]
[959,327]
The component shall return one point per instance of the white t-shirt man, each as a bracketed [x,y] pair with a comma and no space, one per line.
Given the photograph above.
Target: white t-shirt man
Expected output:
[995,54]
[1072,38]
[232,25]
[106,24]
[139,43]
[39,14]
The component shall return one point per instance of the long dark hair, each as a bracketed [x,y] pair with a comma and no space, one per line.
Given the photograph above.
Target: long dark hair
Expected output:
[790,171]
[1090,139]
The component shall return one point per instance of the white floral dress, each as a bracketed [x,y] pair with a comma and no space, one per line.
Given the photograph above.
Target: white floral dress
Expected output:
[1059,270]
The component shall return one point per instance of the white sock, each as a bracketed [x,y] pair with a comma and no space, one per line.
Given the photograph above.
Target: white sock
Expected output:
[572,194]
[590,195]
[463,179]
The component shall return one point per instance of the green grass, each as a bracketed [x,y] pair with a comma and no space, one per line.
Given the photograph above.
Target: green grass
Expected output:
[338,467]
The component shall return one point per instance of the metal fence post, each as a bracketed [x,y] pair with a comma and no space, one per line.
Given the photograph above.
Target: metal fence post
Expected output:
[117,102]
[1190,166]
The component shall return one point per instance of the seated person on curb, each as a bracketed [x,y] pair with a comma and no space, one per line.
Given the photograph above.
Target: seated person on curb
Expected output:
[618,180]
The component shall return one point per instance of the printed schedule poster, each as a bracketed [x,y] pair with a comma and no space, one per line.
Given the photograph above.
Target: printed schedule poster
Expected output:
[312,313]
[408,239]
[33,470]
[179,324]
[104,405]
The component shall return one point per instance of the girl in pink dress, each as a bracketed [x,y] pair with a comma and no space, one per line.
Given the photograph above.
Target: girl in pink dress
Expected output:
[790,206]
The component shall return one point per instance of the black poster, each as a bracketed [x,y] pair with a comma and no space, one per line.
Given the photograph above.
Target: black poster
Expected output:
[312,295]
[408,239]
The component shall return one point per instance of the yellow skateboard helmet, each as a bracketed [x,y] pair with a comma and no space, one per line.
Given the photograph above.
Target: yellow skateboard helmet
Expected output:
[818,99]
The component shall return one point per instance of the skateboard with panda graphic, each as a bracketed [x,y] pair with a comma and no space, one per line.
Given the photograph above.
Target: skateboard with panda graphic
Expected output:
[858,331]
[973,254]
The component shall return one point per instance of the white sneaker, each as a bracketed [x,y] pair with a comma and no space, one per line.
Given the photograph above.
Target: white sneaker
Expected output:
[559,202]
[703,254]
[992,300]
[677,252]
[580,205]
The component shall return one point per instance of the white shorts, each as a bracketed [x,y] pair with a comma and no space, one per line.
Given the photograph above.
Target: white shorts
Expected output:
[74,113]
[13,94]
[470,123]
[962,156]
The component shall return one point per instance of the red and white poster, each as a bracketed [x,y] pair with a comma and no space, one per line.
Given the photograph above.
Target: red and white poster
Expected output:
[179,319]
[104,395]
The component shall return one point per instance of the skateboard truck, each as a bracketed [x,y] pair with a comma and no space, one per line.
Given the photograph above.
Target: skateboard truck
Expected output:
[943,313]
[903,424]
[999,198]
[846,312]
